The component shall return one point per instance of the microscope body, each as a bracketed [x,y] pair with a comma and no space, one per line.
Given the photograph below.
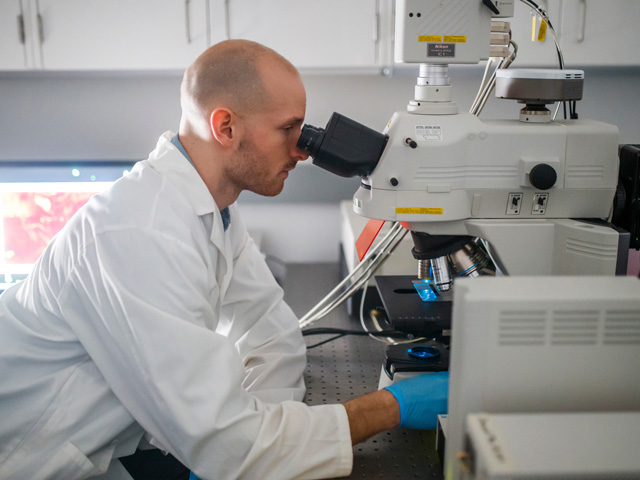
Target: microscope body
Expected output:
[516,185]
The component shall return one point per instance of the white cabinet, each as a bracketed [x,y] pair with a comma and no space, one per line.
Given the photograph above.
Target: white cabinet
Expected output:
[104,35]
[312,34]
[15,36]
[121,34]
[331,34]
[534,53]
[596,32]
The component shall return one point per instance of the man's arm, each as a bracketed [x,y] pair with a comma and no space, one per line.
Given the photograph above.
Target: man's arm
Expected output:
[262,326]
[141,317]
[372,414]
[413,403]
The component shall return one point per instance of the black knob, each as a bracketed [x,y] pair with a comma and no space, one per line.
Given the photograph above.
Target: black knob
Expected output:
[412,143]
[543,176]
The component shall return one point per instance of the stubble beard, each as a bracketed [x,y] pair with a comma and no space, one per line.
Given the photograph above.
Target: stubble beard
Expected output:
[248,172]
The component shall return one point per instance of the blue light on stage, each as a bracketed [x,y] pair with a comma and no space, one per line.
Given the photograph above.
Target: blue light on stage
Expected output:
[423,352]
[425,291]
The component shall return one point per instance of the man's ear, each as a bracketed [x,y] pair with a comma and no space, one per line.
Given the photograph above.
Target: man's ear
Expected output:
[222,125]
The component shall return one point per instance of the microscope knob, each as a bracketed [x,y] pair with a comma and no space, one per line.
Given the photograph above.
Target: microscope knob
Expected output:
[543,176]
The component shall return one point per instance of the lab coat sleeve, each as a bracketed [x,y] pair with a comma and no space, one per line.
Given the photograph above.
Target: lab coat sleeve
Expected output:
[137,302]
[265,330]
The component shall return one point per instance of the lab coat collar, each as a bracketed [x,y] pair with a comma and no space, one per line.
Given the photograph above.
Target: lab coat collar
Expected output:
[224,213]
[169,161]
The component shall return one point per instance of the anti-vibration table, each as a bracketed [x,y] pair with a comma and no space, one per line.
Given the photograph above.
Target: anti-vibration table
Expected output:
[349,367]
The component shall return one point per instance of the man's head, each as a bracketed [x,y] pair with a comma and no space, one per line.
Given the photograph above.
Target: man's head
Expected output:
[242,108]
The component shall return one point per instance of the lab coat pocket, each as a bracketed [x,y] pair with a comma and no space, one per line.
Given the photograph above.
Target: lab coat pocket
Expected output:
[70,463]
[65,463]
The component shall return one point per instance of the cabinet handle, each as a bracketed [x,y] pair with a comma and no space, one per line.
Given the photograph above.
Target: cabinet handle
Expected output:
[376,28]
[583,21]
[40,29]
[187,20]
[227,26]
[21,32]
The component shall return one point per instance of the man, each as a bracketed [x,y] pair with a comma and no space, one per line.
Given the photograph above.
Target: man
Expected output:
[153,319]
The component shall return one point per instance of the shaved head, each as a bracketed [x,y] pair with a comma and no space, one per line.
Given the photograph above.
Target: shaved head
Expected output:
[242,109]
[229,74]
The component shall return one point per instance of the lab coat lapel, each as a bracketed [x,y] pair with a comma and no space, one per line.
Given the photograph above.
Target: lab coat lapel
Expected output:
[173,163]
[220,240]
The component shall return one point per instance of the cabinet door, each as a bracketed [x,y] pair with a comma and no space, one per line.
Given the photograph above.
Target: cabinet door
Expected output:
[310,34]
[13,52]
[535,53]
[121,34]
[596,32]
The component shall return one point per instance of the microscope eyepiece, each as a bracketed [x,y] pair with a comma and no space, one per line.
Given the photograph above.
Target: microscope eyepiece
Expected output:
[346,147]
[310,139]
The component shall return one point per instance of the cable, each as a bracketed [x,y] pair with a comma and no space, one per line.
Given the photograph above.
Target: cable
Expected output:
[314,312]
[339,333]
[368,266]
[373,265]
[309,347]
[543,15]
[489,81]
[483,84]
[343,331]
[380,331]
[364,327]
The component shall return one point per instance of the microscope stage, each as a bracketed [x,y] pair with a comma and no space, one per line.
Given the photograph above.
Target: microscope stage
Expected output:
[407,312]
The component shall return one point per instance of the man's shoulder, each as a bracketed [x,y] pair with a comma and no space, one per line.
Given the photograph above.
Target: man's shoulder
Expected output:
[145,198]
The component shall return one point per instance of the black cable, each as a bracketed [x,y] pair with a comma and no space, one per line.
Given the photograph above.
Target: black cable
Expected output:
[325,341]
[342,331]
[573,112]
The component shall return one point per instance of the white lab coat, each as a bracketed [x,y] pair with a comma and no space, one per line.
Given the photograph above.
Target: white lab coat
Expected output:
[144,317]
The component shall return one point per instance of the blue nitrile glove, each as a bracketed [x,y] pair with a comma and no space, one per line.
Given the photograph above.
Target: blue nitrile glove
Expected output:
[193,476]
[422,398]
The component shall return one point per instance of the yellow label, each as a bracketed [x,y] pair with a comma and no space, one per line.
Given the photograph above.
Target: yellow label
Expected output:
[455,39]
[543,30]
[533,28]
[419,211]
[429,38]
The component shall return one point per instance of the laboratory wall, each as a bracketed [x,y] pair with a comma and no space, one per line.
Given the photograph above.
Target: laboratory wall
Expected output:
[115,116]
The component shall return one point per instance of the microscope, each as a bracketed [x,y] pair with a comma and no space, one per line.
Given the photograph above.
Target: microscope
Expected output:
[528,197]
[522,196]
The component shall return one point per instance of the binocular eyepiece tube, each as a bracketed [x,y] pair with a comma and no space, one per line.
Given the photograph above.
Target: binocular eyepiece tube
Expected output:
[346,147]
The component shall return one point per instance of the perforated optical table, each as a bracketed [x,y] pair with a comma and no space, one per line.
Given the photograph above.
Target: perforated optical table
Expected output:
[349,367]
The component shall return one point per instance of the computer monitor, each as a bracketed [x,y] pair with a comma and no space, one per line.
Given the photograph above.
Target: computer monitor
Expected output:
[36,201]
[541,344]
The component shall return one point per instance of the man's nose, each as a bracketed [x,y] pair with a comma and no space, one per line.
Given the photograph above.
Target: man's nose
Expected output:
[298,154]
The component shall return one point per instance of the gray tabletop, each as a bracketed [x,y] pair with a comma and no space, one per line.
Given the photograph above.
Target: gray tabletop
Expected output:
[348,367]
